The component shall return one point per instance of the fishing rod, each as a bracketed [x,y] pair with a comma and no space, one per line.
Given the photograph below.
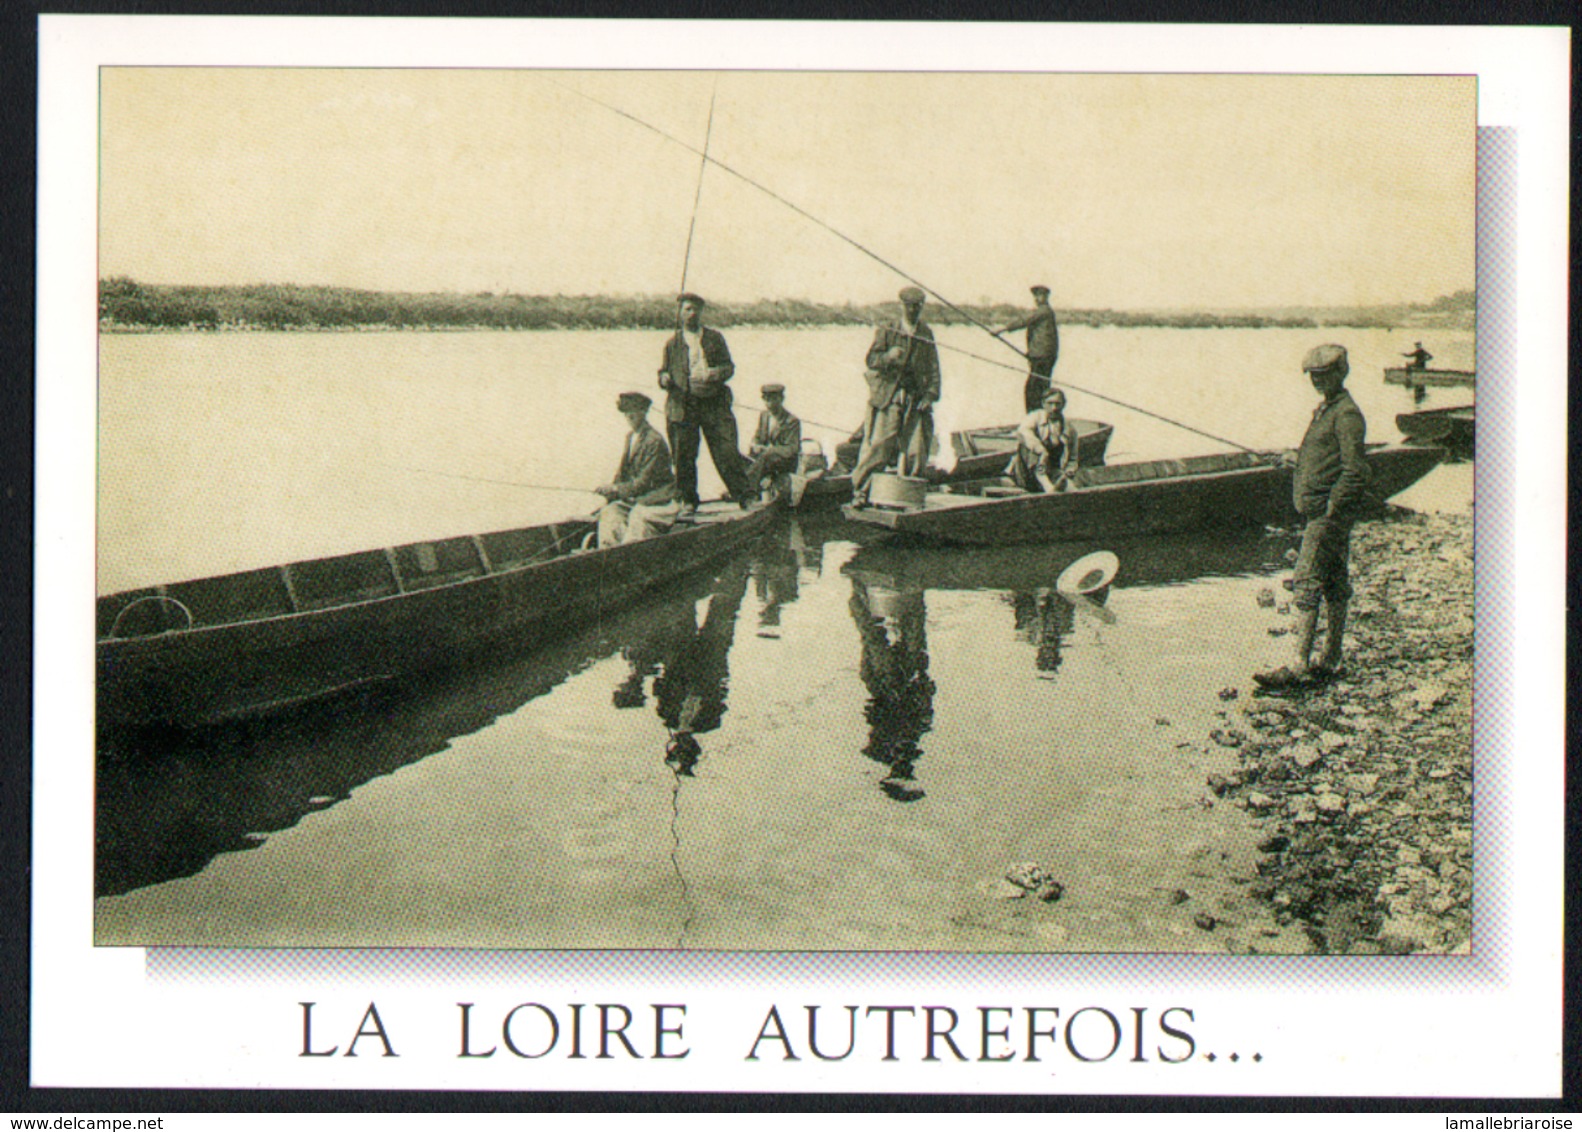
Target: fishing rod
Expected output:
[792,205]
[485,479]
[686,258]
[880,259]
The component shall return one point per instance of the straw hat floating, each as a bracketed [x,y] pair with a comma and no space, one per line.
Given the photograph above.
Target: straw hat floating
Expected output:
[1089,575]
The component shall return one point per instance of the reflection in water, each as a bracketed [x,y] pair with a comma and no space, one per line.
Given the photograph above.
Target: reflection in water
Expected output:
[168,802]
[900,708]
[775,578]
[1044,619]
[694,678]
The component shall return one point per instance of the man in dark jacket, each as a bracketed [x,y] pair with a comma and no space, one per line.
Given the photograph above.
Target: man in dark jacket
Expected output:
[1328,488]
[1043,347]
[694,372]
[642,497]
[777,440]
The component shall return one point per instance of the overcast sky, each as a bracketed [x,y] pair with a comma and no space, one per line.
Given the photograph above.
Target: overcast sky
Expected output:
[1118,191]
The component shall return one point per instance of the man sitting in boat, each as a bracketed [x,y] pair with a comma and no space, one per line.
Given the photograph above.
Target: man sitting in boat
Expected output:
[1047,447]
[1329,485]
[903,385]
[643,499]
[776,444]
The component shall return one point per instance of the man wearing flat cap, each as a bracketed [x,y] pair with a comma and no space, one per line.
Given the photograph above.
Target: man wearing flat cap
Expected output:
[1329,486]
[694,372]
[776,442]
[903,386]
[1043,347]
[642,499]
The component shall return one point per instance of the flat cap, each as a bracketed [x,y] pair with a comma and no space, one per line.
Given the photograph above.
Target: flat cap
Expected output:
[626,402]
[1321,358]
[912,294]
[773,389]
[1040,289]
[690,297]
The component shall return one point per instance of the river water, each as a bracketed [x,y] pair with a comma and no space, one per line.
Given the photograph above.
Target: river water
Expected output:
[884,733]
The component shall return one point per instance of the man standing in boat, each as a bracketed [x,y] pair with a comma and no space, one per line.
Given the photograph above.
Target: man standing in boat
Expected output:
[1043,347]
[903,386]
[1417,358]
[642,498]
[1046,452]
[694,372]
[1330,483]
[777,441]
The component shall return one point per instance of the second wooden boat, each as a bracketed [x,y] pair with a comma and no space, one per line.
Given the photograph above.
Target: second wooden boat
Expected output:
[1197,493]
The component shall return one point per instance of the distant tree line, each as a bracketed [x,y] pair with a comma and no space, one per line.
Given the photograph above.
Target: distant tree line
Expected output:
[125,304]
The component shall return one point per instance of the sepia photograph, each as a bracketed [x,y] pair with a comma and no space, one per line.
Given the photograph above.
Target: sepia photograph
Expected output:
[1082,560]
[682,548]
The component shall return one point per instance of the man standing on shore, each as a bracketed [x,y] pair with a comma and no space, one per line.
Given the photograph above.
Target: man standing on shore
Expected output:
[1330,482]
[694,372]
[1043,347]
[903,385]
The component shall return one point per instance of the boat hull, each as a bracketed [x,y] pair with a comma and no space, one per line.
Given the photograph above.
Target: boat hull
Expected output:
[212,673]
[1421,378]
[1204,494]
[1453,429]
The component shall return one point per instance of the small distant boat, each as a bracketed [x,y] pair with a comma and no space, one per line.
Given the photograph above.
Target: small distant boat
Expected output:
[1450,428]
[239,645]
[1197,493]
[1422,378]
[981,453]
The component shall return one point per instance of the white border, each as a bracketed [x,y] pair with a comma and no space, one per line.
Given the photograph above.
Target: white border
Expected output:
[99,1019]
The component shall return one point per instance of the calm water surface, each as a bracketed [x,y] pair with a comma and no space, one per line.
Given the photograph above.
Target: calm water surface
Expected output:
[882,731]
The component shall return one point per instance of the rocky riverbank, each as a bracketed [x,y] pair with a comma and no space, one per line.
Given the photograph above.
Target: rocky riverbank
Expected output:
[1364,785]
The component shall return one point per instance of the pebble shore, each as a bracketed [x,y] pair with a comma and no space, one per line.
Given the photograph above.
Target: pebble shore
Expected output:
[1364,785]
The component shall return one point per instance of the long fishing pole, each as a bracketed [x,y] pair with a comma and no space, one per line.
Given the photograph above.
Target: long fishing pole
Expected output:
[686,258]
[903,274]
[707,160]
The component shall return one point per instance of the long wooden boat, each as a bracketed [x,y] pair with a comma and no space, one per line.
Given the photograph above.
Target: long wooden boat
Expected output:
[1403,375]
[1453,429]
[1198,493]
[981,453]
[237,645]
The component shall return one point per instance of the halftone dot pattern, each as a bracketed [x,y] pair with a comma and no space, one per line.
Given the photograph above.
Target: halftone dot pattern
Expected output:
[1044,973]
[1494,537]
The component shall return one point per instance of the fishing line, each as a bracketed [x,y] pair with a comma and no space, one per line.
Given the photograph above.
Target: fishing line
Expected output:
[792,205]
[799,210]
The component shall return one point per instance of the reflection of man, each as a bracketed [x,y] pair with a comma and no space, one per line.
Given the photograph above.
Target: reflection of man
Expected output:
[690,692]
[1046,619]
[642,497]
[900,709]
[776,442]
[903,385]
[695,369]
[1330,483]
[1043,346]
[776,583]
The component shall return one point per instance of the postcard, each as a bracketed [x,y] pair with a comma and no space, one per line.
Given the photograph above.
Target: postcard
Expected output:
[672,556]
